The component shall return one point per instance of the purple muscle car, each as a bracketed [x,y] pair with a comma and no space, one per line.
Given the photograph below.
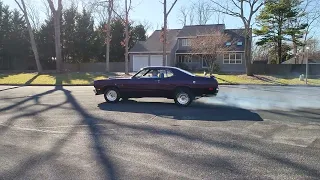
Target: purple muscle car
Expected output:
[163,81]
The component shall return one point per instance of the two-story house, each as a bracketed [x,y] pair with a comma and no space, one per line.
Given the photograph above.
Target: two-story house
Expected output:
[149,52]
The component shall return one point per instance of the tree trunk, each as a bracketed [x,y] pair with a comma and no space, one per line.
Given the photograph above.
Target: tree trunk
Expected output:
[108,47]
[32,40]
[164,53]
[57,39]
[279,51]
[247,54]
[295,49]
[110,8]
[127,40]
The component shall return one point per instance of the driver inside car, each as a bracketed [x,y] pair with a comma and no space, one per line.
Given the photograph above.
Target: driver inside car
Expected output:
[154,74]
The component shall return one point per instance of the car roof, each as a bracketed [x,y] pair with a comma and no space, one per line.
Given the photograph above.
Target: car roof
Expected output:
[160,67]
[176,70]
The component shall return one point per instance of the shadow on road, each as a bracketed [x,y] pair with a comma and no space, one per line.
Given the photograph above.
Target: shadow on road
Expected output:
[38,160]
[9,88]
[196,111]
[100,149]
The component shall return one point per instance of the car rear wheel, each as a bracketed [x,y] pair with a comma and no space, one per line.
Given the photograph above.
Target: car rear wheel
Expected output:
[183,97]
[112,95]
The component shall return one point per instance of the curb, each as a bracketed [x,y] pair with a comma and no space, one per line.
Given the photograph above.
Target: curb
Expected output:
[222,84]
[288,85]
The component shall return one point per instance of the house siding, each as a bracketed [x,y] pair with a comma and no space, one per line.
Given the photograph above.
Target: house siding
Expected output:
[180,47]
[239,68]
[196,64]
[170,57]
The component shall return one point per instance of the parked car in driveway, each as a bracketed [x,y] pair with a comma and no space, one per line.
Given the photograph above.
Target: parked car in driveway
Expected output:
[163,81]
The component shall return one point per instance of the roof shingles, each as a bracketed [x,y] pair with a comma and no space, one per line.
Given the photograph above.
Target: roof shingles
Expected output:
[153,43]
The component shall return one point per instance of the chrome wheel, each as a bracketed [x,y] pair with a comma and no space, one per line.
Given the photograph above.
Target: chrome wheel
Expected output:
[183,98]
[112,95]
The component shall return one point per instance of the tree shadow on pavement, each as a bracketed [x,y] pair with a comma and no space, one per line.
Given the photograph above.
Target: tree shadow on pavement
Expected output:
[9,88]
[38,160]
[196,111]
[268,80]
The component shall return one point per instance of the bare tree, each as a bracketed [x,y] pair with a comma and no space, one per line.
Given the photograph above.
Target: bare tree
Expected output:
[191,15]
[204,11]
[260,53]
[183,15]
[165,17]
[209,46]
[57,32]
[219,17]
[108,39]
[127,37]
[32,39]
[146,24]
[34,16]
[46,8]
[238,9]
[311,18]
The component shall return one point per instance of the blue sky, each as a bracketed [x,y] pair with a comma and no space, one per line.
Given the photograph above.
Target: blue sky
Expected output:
[152,11]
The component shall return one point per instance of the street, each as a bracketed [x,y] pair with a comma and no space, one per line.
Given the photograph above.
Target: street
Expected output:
[246,132]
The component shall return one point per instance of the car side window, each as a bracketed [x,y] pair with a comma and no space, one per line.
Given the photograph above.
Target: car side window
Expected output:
[165,73]
[169,73]
[152,74]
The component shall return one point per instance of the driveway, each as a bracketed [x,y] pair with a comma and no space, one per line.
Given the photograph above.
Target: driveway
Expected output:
[247,132]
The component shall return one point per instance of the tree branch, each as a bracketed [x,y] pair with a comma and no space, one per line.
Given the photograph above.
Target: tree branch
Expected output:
[254,11]
[130,6]
[19,5]
[225,10]
[174,3]
[51,5]
[59,5]
[233,1]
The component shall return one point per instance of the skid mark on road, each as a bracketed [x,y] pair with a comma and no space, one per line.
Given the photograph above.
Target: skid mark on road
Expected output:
[295,134]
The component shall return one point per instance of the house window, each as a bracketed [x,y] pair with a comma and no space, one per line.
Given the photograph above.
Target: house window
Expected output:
[186,42]
[204,63]
[184,59]
[239,43]
[232,58]
[181,59]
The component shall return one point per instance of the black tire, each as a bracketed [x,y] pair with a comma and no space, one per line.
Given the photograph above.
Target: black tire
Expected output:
[112,95]
[183,97]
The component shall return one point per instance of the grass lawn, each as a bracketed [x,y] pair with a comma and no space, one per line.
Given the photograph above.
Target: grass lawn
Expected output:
[51,79]
[263,79]
[88,78]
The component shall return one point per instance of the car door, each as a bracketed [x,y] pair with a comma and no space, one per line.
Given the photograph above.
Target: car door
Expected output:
[166,83]
[145,86]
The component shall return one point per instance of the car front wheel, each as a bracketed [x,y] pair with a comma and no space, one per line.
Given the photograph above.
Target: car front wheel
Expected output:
[112,95]
[183,97]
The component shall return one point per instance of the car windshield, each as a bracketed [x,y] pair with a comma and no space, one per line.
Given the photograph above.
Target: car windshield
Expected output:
[187,72]
[141,73]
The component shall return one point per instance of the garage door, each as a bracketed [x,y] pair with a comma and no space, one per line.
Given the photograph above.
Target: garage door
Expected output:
[156,60]
[139,61]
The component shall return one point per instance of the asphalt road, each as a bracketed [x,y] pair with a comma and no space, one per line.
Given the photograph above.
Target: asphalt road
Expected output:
[247,132]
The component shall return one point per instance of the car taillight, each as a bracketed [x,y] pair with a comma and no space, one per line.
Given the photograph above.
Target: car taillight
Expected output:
[210,89]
